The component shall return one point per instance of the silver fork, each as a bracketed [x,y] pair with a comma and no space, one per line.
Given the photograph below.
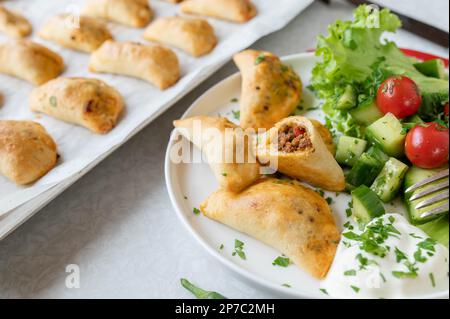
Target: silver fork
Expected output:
[430,190]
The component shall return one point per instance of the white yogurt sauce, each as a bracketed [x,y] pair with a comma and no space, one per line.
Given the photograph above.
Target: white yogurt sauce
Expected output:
[357,273]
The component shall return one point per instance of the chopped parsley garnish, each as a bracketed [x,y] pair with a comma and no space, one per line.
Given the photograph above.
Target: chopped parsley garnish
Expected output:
[415,236]
[234,100]
[411,273]
[348,212]
[324,291]
[224,174]
[239,249]
[286,285]
[53,101]
[320,192]
[221,247]
[428,244]
[364,262]
[260,59]
[236,114]
[281,261]
[196,211]
[400,255]
[350,272]
[418,256]
[329,200]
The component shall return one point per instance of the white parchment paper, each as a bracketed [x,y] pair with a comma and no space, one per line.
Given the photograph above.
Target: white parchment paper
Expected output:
[79,147]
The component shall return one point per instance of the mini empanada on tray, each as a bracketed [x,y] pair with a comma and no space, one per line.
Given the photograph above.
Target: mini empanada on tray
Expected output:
[194,36]
[132,13]
[27,151]
[313,163]
[86,34]
[271,90]
[87,102]
[284,215]
[30,61]
[14,24]
[153,63]
[232,10]
[233,174]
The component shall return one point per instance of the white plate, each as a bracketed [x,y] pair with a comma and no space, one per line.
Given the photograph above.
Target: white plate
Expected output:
[189,184]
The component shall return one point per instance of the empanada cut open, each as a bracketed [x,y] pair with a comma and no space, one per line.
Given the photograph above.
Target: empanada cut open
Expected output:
[285,215]
[295,147]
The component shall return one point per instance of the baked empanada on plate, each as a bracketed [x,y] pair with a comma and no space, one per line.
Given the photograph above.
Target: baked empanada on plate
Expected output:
[231,10]
[87,102]
[154,64]
[271,90]
[227,148]
[27,152]
[294,147]
[13,24]
[85,34]
[284,215]
[195,36]
[30,61]
[132,13]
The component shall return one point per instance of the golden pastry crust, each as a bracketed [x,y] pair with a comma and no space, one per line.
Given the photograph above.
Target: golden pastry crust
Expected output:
[87,102]
[133,13]
[326,136]
[232,174]
[285,215]
[314,164]
[174,1]
[232,10]
[154,64]
[30,61]
[14,24]
[195,36]
[271,90]
[27,152]
[87,36]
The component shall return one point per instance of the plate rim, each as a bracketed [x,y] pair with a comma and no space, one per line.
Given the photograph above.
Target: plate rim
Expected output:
[247,274]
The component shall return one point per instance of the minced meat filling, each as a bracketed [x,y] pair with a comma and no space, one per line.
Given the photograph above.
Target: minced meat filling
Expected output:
[293,138]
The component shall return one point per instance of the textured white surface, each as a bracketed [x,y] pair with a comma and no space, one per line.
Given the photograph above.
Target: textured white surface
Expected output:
[117,223]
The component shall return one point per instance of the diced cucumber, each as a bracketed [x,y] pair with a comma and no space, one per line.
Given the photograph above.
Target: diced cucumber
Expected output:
[366,204]
[413,176]
[387,133]
[437,229]
[366,113]
[378,154]
[433,68]
[349,149]
[364,172]
[347,100]
[388,182]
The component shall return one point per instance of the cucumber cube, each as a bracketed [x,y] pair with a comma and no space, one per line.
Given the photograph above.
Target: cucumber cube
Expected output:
[387,134]
[349,150]
[366,204]
[388,182]
[366,113]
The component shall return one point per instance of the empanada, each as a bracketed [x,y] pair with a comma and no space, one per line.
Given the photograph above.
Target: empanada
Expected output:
[30,61]
[228,149]
[87,102]
[285,215]
[271,90]
[155,64]
[295,148]
[87,35]
[231,10]
[133,13]
[27,152]
[326,136]
[13,24]
[195,36]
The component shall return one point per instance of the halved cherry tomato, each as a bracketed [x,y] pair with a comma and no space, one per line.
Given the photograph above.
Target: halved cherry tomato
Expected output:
[400,96]
[427,145]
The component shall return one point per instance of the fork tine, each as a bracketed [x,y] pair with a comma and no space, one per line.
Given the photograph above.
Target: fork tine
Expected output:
[433,178]
[430,190]
[433,200]
[435,211]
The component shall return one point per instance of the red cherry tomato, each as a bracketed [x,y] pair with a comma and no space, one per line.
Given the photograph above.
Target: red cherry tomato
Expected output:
[400,96]
[446,110]
[427,145]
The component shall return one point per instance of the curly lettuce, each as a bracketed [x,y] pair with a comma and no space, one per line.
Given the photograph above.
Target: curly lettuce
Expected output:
[354,54]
